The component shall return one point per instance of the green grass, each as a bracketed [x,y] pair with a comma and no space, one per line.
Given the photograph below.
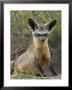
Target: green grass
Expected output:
[29,76]
[26,76]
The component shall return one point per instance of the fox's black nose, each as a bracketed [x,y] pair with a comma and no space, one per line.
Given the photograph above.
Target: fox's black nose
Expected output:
[42,40]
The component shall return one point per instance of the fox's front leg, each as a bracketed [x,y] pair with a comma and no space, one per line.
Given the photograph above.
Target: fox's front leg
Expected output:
[48,66]
[37,65]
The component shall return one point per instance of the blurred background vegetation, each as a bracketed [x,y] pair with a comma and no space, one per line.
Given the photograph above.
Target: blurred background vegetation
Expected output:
[21,37]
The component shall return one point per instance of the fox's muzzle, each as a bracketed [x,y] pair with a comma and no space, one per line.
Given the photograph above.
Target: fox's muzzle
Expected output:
[42,38]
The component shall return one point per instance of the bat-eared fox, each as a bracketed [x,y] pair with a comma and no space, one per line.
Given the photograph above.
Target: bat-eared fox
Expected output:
[38,59]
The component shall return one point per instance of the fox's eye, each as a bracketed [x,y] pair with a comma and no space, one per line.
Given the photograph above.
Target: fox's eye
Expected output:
[46,35]
[36,35]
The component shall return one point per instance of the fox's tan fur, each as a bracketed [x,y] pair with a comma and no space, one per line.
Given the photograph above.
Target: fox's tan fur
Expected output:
[36,60]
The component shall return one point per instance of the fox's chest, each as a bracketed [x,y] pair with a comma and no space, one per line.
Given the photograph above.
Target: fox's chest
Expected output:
[42,55]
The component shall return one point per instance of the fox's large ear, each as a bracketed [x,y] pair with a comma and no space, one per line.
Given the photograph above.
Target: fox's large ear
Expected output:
[32,24]
[50,25]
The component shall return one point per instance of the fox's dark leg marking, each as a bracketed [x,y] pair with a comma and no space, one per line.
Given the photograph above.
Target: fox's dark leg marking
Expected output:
[52,69]
[48,66]
[38,66]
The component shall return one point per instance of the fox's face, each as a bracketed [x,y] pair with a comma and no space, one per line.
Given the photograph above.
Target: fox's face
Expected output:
[40,32]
